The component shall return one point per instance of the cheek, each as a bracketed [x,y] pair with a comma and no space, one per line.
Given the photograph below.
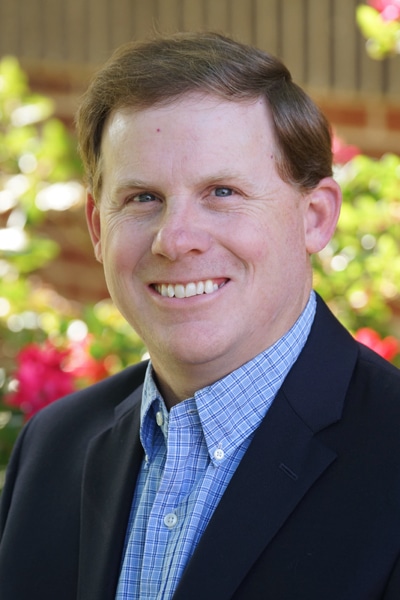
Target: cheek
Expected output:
[280,247]
[118,254]
[292,232]
[254,246]
[120,240]
[268,241]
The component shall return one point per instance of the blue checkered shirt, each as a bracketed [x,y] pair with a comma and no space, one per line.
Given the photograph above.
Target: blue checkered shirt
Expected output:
[191,454]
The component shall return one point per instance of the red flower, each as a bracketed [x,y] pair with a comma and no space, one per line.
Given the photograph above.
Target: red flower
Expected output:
[342,153]
[387,347]
[389,9]
[81,364]
[40,377]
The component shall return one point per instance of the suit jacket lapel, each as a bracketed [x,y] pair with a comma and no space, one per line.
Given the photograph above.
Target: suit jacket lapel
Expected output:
[281,464]
[279,468]
[112,464]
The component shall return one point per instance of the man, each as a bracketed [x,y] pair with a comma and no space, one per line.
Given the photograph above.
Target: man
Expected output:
[257,454]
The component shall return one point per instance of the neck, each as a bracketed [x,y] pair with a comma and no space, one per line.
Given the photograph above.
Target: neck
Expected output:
[179,379]
[184,382]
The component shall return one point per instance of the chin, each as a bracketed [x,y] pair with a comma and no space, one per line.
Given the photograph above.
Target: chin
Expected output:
[185,354]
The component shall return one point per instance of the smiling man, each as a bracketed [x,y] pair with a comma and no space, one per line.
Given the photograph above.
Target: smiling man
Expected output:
[256,454]
[219,268]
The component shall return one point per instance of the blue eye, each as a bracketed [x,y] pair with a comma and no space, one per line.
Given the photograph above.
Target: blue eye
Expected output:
[144,197]
[223,192]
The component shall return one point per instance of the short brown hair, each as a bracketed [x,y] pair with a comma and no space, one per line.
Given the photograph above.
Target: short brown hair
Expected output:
[158,71]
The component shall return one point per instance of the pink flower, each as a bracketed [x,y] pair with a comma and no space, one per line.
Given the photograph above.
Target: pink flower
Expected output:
[40,377]
[342,152]
[81,364]
[387,347]
[389,9]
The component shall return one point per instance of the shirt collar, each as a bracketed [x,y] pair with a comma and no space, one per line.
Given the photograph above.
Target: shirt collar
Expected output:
[231,409]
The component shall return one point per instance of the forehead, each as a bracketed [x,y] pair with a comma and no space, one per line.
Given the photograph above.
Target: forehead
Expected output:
[215,121]
[192,122]
[192,118]
[196,139]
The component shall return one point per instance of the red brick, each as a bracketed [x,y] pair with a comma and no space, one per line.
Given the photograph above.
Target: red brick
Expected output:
[346,115]
[393,118]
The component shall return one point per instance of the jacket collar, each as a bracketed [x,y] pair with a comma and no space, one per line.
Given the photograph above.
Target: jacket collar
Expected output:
[112,464]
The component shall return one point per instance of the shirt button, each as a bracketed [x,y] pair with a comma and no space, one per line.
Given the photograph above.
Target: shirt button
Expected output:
[159,418]
[219,454]
[170,520]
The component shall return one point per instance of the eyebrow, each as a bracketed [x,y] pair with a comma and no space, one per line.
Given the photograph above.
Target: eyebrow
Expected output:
[130,184]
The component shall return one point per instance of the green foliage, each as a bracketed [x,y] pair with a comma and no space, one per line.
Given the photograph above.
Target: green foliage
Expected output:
[359,272]
[383,36]
[39,171]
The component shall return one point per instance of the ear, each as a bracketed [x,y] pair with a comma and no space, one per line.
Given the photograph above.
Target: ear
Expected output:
[93,222]
[322,214]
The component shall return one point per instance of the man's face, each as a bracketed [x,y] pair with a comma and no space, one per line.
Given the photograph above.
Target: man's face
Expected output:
[203,244]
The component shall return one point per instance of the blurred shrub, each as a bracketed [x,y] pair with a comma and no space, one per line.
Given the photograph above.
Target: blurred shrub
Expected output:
[358,273]
[379,22]
[48,344]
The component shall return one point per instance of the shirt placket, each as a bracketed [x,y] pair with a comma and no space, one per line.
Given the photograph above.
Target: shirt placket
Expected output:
[164,524]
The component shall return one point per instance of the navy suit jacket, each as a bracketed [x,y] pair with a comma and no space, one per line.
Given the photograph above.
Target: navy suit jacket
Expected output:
[312,512]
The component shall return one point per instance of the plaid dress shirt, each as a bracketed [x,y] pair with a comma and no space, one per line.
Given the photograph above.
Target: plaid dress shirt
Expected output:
[191,454]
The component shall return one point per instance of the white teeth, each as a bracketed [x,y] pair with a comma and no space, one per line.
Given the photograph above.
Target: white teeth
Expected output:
[180,291]
[209,287]
[191,290]
[186,291]
[200,287]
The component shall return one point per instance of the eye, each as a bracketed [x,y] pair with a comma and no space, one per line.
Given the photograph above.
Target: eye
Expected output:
[144,197]
[223,192]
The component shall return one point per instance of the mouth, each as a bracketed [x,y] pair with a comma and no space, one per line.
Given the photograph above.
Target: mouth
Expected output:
[187,290]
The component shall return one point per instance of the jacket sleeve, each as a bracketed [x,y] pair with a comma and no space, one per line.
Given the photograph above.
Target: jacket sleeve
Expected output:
[11,475]
[392,591]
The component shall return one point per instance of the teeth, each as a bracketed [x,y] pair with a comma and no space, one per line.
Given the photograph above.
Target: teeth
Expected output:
[180,291]
[209,287]
[200,287]
[191,290]
[186,291]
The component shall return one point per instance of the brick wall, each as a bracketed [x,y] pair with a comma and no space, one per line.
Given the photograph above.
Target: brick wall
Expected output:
[75,274]
[371,124]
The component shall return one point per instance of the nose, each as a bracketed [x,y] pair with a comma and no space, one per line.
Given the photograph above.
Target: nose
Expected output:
[181,231]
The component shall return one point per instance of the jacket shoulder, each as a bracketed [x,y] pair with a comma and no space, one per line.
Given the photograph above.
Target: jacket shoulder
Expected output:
[73,420]
[104,395]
